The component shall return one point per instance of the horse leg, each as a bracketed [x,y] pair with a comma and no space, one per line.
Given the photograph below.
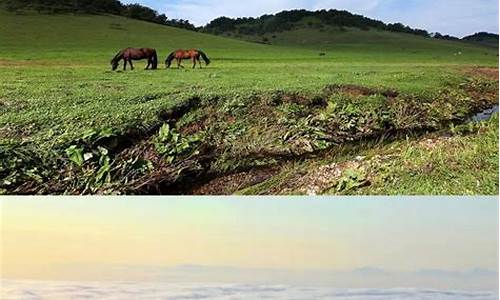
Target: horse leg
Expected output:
[131,65]
[149,63]
[124,65]
[199,62]
[194,62]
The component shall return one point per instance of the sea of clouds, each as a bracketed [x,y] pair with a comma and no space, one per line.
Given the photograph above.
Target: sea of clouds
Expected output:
[28,290]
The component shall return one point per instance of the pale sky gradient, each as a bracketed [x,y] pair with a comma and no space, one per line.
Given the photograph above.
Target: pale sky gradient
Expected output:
[79,239]
[455,17]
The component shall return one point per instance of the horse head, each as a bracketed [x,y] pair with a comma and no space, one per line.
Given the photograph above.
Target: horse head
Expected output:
[169,59]
[114,64]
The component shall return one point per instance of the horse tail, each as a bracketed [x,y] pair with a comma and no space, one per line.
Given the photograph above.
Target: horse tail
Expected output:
[205,57]
[169,59]
[154,60]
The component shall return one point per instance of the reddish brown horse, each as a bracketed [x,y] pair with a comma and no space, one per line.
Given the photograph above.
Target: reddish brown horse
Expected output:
[180,54]
[130,54]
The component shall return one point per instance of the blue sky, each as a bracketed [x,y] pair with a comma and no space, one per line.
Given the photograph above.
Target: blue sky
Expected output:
[455,17]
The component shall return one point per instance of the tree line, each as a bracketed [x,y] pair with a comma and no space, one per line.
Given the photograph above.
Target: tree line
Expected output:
[115,7]
[481,36]
[286,20]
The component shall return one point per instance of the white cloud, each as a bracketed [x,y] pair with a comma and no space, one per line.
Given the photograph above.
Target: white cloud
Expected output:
[202,11]
[458,17]
[354,6]
[367,277]
[27,290]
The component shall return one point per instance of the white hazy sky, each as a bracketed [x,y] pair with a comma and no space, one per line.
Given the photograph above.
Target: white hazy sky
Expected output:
[455,17]
[392,242]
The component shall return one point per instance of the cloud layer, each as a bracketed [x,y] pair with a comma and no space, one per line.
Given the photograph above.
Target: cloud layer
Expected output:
[27,290]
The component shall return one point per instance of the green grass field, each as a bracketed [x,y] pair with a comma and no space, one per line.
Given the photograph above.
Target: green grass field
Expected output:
[461,160]
[70,125]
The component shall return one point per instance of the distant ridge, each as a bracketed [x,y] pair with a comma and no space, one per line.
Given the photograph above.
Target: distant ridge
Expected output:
[289,19]
[266,27]
[485,38]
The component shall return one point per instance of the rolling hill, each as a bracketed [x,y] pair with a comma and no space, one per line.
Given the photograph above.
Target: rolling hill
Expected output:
[100,36]
[340,30]
[41,36]
[484,38]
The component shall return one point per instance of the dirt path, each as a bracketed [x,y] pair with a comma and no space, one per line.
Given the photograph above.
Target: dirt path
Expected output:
[488,72]
[229,184]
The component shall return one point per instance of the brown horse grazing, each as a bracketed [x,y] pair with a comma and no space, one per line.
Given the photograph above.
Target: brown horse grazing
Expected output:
[130,54]
[180,54]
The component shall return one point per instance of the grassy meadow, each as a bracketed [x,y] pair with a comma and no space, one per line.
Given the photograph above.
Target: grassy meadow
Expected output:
[68,124]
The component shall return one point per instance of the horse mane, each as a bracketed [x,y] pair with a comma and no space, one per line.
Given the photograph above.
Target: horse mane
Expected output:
[169,59]
[205,57]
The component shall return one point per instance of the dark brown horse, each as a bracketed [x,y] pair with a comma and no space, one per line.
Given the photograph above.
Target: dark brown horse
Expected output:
[130,54]
[180,54]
